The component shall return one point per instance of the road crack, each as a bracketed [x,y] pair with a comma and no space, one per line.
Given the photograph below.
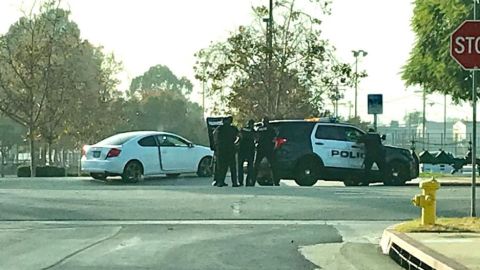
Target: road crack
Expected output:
[65,258]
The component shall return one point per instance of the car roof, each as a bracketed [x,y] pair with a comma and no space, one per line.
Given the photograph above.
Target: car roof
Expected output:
[148,133]
[141,133]
[313,120]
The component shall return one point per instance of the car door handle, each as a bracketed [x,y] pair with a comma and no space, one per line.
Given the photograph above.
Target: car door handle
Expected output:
[319,143]
[354,146]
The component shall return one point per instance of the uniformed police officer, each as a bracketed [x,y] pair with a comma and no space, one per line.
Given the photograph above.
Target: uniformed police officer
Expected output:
[265,146]
[374,152]
[246,152]
[225,137]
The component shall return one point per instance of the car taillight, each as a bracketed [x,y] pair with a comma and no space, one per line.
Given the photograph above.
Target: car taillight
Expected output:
[84,150]
[114,152]
[279,142]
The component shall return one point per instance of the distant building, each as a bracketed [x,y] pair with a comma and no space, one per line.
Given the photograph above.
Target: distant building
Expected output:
[463,130]
[436,129]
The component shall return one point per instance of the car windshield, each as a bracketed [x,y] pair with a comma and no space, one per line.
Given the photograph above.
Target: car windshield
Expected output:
[118,139]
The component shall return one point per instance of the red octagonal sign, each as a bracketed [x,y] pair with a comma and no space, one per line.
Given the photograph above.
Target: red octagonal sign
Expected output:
[465,45]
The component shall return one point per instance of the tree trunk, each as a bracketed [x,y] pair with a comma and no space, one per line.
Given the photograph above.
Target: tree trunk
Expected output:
[2,152]
[49,154]
[31,137]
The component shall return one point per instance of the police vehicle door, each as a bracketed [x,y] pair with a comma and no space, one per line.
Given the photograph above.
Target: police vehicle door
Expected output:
[328,142]
[356,150]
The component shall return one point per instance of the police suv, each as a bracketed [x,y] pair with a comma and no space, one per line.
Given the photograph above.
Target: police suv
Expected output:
[310,150]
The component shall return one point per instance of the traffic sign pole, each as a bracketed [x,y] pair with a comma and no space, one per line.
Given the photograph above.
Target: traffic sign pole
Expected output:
[465,49]
[474,131]
[474,145]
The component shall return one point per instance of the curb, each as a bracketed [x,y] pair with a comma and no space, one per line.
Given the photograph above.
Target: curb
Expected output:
[448,184]
[392,241]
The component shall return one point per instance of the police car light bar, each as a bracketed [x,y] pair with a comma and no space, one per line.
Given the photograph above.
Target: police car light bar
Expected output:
[322,119]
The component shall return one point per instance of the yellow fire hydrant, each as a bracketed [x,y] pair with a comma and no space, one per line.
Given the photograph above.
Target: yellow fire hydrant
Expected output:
[427,201]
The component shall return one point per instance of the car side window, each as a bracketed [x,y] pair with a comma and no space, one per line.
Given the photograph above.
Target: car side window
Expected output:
[148,142]
[326,132]
[177,141]
[352,134]
[171,141]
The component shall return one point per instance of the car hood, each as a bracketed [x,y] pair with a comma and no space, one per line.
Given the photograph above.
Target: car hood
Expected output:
[394,149]
[204,148]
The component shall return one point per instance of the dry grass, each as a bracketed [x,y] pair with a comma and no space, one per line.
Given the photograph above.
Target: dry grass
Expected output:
[442,225]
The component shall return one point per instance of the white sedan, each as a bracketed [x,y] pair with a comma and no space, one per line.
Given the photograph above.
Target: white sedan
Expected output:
[133,155]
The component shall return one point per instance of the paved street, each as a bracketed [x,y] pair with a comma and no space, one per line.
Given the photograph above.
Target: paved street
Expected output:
[78,223]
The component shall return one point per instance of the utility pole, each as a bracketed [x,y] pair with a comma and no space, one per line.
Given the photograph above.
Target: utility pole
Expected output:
[203,99]
[270,32]
[424,118]
[268,70]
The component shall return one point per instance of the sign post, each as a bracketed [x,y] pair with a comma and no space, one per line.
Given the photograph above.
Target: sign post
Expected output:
[465,49]
[375,107]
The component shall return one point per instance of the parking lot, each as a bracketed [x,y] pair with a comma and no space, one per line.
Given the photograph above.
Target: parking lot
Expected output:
[185,223]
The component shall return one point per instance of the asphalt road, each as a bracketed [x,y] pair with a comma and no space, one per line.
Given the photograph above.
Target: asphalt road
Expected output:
[184,223]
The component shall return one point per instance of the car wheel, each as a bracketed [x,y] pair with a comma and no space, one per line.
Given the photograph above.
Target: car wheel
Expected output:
[307,173]
[205,167]
[355,183]
[133,172]
[99,176]
[265,181]
[172,175]
[397,174]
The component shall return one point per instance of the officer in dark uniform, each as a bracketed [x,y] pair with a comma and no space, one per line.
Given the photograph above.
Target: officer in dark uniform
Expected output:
[374,152]
[265,146]
[225,137]
[246,152]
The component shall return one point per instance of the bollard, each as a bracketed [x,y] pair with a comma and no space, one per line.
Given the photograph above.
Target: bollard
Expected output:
[427,201]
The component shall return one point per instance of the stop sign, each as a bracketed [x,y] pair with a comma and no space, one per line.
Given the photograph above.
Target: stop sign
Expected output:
[465,44]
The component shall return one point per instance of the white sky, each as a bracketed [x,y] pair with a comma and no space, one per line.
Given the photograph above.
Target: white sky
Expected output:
[143,33]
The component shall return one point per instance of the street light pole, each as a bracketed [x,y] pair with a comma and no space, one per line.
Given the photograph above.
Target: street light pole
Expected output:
[356,82]
[444,121]
[357,54]
[270,32]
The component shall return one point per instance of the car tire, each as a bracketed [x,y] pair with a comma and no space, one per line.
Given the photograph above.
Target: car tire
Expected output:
[265,181]
[397,174]
[307,173]
[355,183]
[205,167]
[133,172]
[99,176]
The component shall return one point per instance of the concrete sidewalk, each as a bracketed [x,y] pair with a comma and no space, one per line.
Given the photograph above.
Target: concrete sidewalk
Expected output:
[448,181]
[457,251]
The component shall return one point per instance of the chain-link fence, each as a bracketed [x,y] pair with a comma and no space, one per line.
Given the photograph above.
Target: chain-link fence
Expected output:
[19,155]
[458,144]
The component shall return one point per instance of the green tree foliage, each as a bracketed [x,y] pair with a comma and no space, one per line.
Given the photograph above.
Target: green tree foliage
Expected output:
[430,64]
[158,102]
[98,99]
[48,74]
[302,73]
[30,53]
[159,77]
